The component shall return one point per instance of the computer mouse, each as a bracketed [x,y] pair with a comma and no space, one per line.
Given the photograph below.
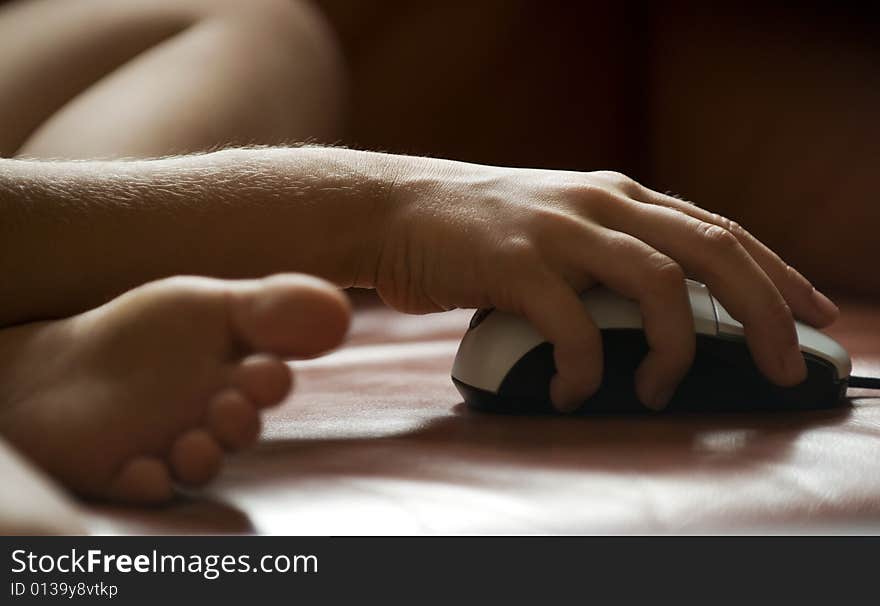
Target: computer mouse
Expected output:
[504,365]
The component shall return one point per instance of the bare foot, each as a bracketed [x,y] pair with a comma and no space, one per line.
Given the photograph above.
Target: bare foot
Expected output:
[151,388]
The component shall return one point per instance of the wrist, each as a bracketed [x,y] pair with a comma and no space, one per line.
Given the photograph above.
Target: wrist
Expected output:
[372,201]
[388,188]
[327,210]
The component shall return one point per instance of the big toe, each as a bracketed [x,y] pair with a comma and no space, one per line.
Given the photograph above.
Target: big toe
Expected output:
[290,315]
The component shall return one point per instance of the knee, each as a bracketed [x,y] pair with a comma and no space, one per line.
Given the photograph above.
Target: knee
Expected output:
[294,56]
[290,20]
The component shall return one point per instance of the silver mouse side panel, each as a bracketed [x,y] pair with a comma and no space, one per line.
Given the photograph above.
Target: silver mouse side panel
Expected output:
[811,341]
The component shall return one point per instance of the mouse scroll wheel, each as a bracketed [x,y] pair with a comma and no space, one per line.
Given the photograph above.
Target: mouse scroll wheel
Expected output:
[481,315]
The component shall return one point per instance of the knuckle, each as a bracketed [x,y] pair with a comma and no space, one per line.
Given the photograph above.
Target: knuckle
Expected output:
[184,286]
[619,181]
[719,220]
[732,226]
[594,200]
[666,272]
[778,314]
[612,176]
[589,192]
[737,230]
[550,227]
[718,238]
[517,250]
[543,219]
[616,243]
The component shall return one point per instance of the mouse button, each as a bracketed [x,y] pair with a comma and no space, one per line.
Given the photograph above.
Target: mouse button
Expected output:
[705,319]
[727,324]
[610,310]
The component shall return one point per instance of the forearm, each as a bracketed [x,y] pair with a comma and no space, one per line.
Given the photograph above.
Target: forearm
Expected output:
[74,234]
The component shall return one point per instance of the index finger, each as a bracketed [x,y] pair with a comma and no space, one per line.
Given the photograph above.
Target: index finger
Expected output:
[805,301]
[717,258]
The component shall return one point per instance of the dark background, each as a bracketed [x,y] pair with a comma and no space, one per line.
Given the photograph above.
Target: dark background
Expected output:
[764,112]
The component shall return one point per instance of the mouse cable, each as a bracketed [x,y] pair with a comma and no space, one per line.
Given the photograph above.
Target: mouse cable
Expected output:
[864,382]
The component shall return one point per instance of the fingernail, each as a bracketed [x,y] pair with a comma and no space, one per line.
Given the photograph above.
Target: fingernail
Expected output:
[793,366]
[825,304]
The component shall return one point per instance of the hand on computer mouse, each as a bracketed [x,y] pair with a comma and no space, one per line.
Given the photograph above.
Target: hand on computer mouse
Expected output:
[527,241]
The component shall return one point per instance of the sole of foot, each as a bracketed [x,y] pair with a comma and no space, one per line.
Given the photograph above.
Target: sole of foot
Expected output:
[150,390]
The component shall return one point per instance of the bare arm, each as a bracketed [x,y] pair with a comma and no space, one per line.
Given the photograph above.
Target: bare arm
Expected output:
[428,234]
[74,234]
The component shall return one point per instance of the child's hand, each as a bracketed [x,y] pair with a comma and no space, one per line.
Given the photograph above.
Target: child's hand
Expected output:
[527,241]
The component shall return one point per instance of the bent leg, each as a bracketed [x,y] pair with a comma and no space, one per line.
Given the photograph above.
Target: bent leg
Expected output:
[99,78]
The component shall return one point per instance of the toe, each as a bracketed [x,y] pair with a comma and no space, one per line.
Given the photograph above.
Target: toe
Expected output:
[142,480]
[290,315]
[233,420]
[263,379]
[195,457]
